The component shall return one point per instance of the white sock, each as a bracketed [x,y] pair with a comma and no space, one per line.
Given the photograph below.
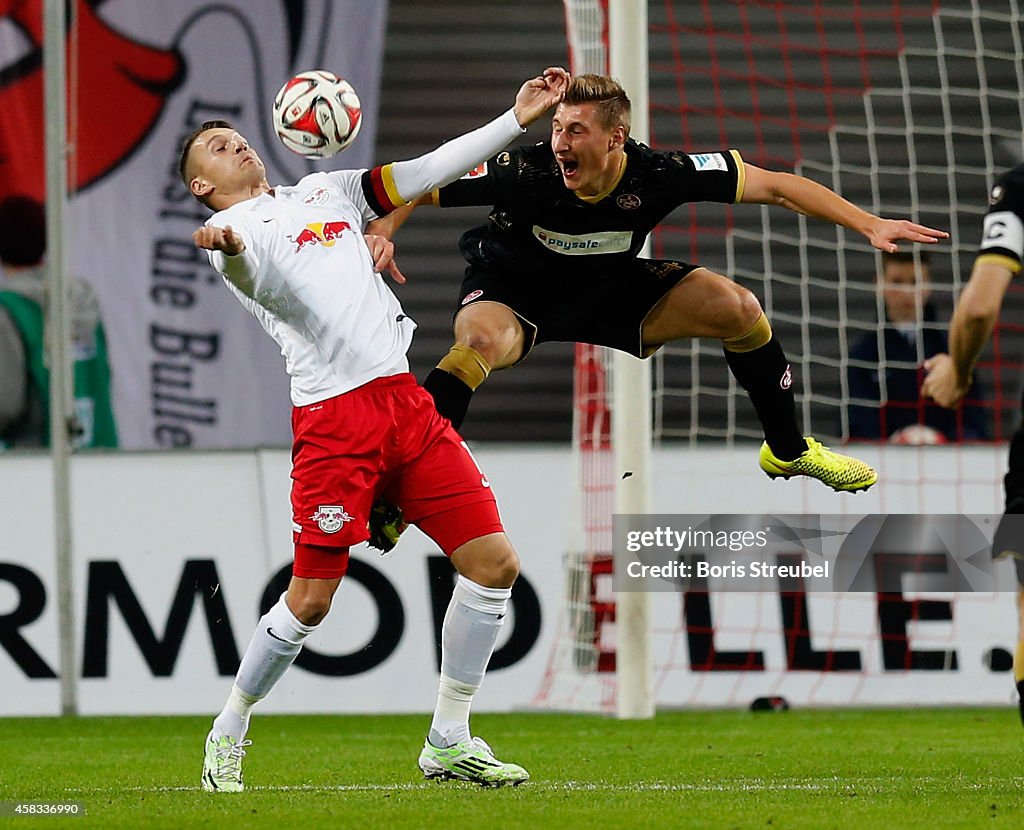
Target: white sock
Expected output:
[265,660]
[471,625]
[234,717]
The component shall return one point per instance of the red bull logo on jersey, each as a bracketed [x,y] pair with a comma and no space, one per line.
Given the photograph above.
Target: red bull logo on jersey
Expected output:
[331,517]
[319,233]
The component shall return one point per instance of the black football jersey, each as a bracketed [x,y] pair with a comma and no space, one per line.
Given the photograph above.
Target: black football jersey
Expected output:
[1003,238]
[536,222]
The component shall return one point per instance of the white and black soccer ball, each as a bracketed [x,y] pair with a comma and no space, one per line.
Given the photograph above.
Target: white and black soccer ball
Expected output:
[317,114]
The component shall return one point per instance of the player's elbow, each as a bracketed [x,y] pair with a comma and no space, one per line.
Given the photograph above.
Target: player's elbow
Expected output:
[780,189]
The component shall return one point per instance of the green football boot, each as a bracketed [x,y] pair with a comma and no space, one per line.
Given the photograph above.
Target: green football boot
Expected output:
[470,760]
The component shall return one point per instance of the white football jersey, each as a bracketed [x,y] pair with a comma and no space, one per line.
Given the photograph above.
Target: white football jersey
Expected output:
[309,280]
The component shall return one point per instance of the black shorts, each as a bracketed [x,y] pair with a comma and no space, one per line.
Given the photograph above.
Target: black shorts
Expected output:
[605,309]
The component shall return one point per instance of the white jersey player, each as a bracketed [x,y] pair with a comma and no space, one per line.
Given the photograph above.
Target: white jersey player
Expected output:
[362,427]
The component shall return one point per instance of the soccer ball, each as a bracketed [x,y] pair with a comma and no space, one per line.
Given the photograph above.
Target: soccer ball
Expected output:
[317,114]
[917,435]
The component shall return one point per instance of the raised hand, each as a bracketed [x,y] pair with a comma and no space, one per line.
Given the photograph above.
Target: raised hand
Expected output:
[941,383]
[223,239]
[539,94]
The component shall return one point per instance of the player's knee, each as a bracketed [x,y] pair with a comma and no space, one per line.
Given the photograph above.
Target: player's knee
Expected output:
[309,608]
[496,566]
[499,570]
[507,568]
[748,308]
[490,343]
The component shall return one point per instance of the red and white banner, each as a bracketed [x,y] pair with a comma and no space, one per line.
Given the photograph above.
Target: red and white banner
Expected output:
[190,365]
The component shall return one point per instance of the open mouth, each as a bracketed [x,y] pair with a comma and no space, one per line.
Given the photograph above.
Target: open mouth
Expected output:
[569,167]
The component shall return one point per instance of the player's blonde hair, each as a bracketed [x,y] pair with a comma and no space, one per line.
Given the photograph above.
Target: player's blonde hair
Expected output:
[611,102]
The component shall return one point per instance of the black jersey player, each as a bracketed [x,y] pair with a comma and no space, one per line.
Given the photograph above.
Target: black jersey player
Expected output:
[558,260]
[949,375]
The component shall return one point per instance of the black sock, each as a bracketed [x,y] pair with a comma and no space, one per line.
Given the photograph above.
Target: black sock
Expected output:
[766,375]
[451,395]
[1020,699]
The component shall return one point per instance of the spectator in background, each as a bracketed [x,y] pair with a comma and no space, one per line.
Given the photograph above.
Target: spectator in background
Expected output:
[908,337]
[24,376]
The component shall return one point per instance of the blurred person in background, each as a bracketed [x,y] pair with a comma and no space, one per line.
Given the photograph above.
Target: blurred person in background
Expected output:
[24,375]
[908,337]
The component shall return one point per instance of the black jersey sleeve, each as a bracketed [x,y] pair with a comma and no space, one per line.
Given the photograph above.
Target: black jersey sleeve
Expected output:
[480,186]
[708,177]
[1002,241]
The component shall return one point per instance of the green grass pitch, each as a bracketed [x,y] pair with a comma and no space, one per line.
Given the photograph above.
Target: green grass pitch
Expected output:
[926,768]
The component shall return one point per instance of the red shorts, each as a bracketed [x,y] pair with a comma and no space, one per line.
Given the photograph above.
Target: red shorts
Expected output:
[384,439]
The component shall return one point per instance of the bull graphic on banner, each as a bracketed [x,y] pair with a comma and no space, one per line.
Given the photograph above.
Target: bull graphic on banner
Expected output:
[188,370]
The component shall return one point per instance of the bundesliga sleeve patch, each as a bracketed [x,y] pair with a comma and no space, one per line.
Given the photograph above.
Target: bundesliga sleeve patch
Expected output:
[703,162]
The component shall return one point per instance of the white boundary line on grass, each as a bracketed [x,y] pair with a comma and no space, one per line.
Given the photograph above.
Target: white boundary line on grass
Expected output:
[816,785]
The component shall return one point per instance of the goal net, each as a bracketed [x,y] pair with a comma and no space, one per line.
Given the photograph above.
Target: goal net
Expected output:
[909,110]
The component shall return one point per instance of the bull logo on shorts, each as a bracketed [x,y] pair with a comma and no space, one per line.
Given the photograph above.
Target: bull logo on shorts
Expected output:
[331,517]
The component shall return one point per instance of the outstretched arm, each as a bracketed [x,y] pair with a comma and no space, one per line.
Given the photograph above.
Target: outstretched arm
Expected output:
[765,187]
[411,179]
[975,315]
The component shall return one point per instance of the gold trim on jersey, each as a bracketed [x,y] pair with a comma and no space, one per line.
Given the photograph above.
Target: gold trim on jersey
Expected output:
[741,175]
[387,178]
[1000,259]
[591,200]
[435,197]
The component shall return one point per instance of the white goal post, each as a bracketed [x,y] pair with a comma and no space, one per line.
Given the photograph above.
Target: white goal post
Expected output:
[627,473]
[631,397]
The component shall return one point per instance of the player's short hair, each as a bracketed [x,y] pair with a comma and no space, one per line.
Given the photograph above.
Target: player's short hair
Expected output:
[610,99]
[22,231]
[186,145]
[903,257]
